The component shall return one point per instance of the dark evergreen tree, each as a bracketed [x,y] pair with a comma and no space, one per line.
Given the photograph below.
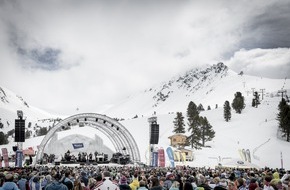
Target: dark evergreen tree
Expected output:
[256,100]
[216,106]
[208,108]
[200,108]
[281,113]
[238,103]
[3,138]
[11,132]
[227,111]
[194,126]
[27,134]
[283,118]
[207,133]
[42,131]
[253,103]
[179,123]
[286,124]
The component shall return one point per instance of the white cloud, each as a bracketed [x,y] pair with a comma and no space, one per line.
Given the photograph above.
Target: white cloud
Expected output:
[110,49]
[272,63]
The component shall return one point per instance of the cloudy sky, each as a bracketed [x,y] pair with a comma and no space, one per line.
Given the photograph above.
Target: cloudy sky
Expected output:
[86,54]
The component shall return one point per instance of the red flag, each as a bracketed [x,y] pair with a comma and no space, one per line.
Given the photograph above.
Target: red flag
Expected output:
[161,157]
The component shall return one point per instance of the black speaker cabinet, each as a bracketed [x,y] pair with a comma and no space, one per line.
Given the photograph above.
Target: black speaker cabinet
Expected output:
[19,130]
[154,133]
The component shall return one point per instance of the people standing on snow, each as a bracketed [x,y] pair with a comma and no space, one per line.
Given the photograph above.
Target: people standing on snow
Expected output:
[56,184]
[135,183]
[107,184]
[169,180]
[123,184]
[8,183]
[154,184]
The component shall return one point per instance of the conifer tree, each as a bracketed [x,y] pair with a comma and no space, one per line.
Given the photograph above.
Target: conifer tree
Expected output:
[282,105]
[227,111]
[200,108]
[179,123]
[256,100]
[283,118]
[238,103]
[286,122]
[207,133]
[194,125]
[3,138]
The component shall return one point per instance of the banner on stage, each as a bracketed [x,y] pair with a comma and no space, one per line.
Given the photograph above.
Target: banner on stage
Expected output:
[78,145]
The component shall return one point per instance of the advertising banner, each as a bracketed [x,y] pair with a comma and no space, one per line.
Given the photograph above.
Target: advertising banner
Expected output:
[170,154]
[183,157]
[161,157]
[78,145]
[19,158]
[155,159]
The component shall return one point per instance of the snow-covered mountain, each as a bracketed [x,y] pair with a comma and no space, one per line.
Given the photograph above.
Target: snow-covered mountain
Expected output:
[209,86]
[255,129]
[10,103]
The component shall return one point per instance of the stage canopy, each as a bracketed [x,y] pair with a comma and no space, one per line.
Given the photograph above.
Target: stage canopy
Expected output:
[76,143]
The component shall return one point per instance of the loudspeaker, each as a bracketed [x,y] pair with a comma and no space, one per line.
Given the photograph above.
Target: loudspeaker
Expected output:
[19,130]
[154,133]
[56,163]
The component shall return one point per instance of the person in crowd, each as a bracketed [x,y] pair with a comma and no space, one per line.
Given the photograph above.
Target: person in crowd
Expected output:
[135,183]
[142,185]
[175,186]
[99,181]
[241,184]
[77,184]
[231,185]
[8,183]
[22,182]
[253,184]
[56,184]
[154,184]
[91,183]
[267,181]
[67,181]
[193,182]
[161,182]
[202,183]
[107,184]
[169,180]
[84,178]
[285,181]
[123,184]
[187,186]
[222,184]
[34,182]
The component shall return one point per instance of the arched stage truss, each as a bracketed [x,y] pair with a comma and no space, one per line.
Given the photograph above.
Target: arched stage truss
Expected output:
[120,137]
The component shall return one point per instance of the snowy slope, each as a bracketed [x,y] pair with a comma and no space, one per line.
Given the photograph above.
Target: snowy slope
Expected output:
[255,129]
[10,103]
[209,86]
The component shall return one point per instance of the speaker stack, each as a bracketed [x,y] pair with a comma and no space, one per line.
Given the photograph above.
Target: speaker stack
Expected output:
[19,130]
[154,133]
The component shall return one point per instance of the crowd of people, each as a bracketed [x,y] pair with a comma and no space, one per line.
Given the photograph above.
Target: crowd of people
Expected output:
[142,178]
